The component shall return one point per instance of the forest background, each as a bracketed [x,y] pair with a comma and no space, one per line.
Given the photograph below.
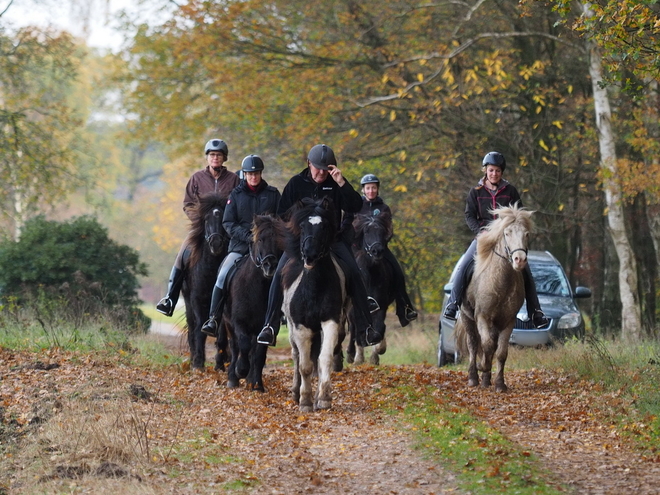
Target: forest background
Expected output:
[413,91]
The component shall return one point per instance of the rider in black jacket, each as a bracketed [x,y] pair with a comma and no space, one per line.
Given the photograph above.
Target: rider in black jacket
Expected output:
[322,178]
[253,196]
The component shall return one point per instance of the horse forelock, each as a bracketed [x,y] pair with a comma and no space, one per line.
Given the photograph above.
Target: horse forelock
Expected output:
[197,214]
[505,216]
[269,227]
[363,222]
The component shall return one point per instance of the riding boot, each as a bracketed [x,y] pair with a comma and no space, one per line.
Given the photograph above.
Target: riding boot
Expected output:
[461,280]
[211,325]
[167,304]
[539,320]
[405,310]
[359,297]
[268,334]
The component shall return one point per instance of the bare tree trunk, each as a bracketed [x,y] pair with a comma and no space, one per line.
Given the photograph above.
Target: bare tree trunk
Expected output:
[631,321]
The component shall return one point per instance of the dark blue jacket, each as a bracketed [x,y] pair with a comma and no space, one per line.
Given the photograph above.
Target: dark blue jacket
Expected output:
[242,205]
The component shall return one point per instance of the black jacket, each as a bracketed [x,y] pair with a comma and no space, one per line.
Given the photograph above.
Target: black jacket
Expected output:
[375,207]
[242,205]
[480,200]
[301,186]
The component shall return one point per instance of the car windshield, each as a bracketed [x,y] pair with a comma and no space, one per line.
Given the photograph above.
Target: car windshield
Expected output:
[550,280]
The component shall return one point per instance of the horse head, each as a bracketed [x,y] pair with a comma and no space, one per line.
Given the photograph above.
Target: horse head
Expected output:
[508,235]
[372,233]
[313,223]
[206,225]
[266,247]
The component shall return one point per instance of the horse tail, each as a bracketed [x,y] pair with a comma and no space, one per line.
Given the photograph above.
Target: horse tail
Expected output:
[460,335]
[462,329]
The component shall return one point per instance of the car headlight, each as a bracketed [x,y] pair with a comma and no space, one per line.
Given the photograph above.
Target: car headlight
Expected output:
[570,320]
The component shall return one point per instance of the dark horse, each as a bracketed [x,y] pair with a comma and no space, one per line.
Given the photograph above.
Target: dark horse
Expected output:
[494,295]
[315,300]
[247,300]
[208,243]
[372,233]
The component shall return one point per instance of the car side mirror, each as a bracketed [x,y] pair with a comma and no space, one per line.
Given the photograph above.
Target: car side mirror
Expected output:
[581,292]
[448,288]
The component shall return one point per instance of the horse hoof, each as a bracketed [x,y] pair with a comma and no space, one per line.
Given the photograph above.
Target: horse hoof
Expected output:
[324,404]
[306,409]
[197,369]
[501,388]
[232,384]
[472,382]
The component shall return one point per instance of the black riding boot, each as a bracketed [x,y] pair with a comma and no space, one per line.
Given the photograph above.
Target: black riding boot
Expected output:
[217,305]
[268,334]
[167,304]
[539,320]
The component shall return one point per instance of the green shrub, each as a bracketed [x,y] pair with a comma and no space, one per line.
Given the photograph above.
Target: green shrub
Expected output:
[72,271]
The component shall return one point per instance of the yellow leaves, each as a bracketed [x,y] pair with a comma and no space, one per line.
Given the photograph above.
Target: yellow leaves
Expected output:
[543,145]
[420,77]
[557,124]
[392,116]
[401,188]
[353,133]
[403,155]
[560,207]
[384,79]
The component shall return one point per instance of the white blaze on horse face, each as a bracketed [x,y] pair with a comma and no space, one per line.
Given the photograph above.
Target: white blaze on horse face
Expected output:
[315,220]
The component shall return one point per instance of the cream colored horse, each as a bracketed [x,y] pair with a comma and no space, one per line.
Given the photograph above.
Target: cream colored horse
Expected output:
[494,295]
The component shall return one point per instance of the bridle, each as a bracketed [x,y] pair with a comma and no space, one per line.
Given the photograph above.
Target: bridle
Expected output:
[323,252]
[509,253]
[208,236]
[258,260]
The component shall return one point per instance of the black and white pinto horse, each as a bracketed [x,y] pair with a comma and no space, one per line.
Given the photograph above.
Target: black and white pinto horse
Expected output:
[372,233]
[208,243]
[247,299]
[315,301]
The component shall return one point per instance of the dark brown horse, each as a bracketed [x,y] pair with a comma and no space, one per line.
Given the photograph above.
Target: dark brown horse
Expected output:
[494,295]
[247,299]
[208,243]
[372,233]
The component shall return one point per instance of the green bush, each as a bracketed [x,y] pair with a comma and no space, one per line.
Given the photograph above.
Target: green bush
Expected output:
[72,267]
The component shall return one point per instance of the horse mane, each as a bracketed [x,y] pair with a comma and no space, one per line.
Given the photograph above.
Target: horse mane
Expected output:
[505,216]
[197,215]
[269,226]
[300,211]
[383,220]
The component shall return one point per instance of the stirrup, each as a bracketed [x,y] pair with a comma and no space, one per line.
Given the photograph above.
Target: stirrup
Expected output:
[450,311]
[210,327]
[539,319]
[411,314]
[165,306]
[373,304]
[372,337]
[266,336]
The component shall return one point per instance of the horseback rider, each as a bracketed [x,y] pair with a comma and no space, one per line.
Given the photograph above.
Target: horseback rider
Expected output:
[373,205]
[213,178]
[319,179]
[491,191]
[253,196]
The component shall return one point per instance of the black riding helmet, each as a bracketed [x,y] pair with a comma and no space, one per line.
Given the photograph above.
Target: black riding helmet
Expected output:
[321,156]
[216,145]
[494,158]
[252,163]
[369,179]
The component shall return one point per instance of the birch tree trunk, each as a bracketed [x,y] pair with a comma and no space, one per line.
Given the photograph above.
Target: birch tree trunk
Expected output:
[631,321]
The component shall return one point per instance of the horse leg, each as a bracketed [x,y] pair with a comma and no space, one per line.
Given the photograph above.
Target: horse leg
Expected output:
[199,349]
[488,345]
[501,355]
[473,343]
[243,362]
[233,380]
[303,337]
[257,363]
[350,350]
[295,355]
[221,348]
[330,339]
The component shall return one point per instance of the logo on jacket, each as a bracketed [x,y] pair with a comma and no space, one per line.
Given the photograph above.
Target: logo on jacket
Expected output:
[376,212]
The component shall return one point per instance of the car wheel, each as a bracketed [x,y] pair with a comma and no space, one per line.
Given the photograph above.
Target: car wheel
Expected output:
[442,356]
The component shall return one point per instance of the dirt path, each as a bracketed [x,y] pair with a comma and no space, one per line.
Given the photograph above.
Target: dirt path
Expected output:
[175,431]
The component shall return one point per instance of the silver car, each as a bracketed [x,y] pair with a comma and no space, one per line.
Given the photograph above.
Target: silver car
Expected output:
[557,301]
